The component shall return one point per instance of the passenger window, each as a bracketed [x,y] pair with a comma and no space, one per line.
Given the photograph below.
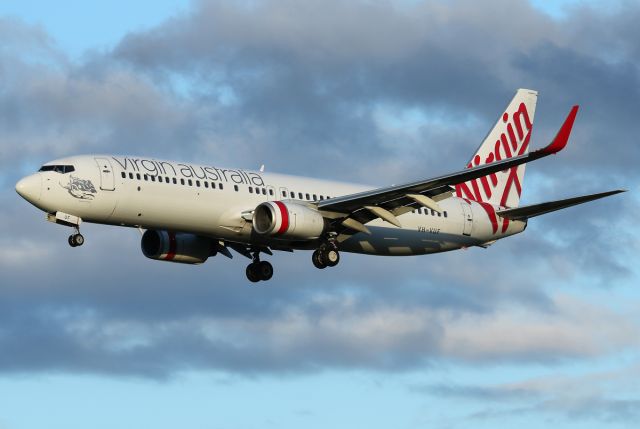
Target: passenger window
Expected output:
[293,194]
[182,182]
[145,177]
[160,179]
[220,186]
[213,185]
[445,214]
[190,182]
[138,176]
[264,191]
[271,192]
[307,195]
[321,198]
[433,212]
[315,198]
[250,190]
[175,181]
[124,175]
[235,187]
[130,175]
[198,183]
[299,195]
[439,214]
[206,184]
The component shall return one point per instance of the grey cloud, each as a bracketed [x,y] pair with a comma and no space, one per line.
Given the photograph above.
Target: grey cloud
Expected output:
[312,74]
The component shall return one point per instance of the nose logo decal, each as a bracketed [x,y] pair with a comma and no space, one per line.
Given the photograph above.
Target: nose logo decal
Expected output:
[80,188]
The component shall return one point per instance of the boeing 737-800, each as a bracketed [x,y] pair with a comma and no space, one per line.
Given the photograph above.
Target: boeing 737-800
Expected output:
[191,212]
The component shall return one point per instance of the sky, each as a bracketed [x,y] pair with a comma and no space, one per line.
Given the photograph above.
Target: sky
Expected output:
[540,329]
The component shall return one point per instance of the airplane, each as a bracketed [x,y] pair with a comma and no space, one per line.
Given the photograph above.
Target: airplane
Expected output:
[188,213]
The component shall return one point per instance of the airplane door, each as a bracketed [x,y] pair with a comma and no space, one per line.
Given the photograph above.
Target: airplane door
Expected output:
[107,179]
[468,219]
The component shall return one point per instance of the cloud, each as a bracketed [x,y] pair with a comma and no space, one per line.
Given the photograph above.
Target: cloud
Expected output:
[601,396]
[117,313]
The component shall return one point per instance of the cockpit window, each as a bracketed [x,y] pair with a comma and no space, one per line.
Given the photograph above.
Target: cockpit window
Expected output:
[58,168]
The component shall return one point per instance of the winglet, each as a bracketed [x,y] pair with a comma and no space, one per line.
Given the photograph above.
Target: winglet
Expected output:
[561,139]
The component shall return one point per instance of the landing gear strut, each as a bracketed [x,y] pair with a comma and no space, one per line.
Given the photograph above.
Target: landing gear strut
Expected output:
[76,239]
[326,256]
[259,270]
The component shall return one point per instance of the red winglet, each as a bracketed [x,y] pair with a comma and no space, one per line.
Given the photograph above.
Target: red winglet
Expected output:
[561,139]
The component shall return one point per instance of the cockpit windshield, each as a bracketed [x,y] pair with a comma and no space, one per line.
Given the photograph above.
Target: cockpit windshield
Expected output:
[58,168]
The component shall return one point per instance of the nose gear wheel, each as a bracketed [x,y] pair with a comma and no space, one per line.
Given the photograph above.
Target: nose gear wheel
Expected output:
[76,239]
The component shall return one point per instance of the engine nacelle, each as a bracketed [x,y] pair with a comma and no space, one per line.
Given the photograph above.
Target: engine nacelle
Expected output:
[176,247]
[288,220]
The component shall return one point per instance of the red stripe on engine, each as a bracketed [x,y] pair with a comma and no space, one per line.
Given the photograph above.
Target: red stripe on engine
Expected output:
[284,213]
[172,247]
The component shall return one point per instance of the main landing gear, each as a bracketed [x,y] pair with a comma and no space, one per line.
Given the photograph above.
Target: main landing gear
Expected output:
[326,256]
[76,239]
[259,270]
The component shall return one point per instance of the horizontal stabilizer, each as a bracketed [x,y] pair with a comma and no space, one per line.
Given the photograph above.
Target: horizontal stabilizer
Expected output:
[526,212]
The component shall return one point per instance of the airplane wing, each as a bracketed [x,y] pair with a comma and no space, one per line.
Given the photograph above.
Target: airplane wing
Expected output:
[354,210]
[526,212]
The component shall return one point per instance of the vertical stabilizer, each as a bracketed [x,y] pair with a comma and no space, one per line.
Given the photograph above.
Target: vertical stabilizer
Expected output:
[509,137]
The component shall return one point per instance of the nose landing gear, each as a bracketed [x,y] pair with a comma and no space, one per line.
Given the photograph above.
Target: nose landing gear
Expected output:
[72,221]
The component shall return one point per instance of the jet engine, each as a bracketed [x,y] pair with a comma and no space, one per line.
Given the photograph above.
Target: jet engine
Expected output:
[176,247]
[288,220]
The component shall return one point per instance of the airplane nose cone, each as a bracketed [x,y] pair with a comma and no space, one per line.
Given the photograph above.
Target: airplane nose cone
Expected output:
[30,188]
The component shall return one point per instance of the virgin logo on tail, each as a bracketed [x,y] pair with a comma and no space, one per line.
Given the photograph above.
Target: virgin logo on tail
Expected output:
[513,141]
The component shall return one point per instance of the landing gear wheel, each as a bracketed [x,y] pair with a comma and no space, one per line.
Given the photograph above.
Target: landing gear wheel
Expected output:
[259,270]
[331,257]
[265,270]
[78,239]
[317,260]
[252,273]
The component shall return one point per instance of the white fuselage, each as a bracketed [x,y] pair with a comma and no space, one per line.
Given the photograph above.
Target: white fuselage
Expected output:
[218,203]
